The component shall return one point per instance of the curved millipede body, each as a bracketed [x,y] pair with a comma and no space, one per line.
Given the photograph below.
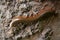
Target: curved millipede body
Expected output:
[47,8]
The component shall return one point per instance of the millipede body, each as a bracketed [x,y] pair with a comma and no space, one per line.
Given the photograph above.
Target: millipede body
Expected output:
[33,17]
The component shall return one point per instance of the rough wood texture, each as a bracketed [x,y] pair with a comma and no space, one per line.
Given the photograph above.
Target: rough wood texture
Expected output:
[50,22]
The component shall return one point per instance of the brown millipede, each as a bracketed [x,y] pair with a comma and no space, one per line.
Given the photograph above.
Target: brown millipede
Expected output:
[33,17]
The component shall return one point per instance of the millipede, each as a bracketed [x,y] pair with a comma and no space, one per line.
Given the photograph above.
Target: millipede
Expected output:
[33,16]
